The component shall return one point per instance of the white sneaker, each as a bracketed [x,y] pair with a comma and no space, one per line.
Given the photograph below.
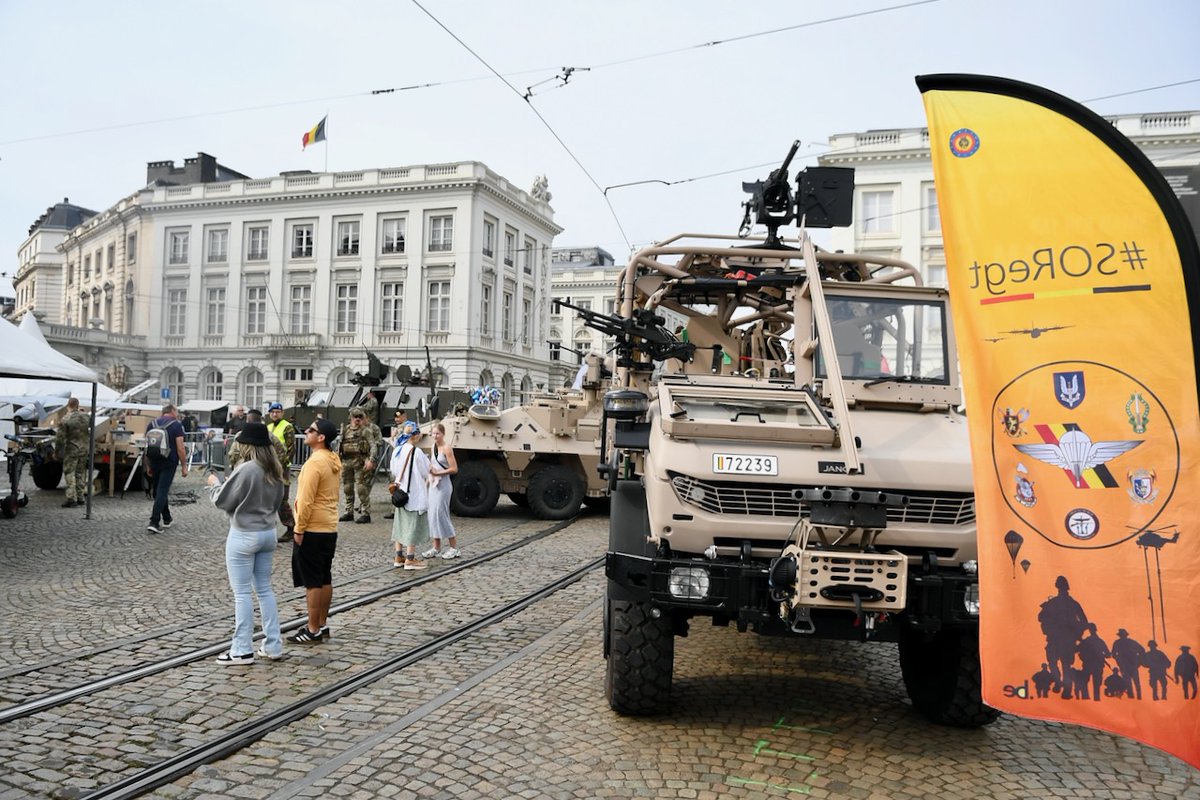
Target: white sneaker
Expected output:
[430,553]
[451,552]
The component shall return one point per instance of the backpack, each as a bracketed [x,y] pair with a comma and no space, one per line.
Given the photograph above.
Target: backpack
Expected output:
[158,443]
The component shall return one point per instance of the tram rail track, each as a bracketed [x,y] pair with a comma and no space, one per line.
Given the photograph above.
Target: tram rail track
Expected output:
[241,736]
[62,697]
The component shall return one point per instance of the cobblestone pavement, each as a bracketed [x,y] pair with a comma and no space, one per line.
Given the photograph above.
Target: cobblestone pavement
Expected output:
[516,710]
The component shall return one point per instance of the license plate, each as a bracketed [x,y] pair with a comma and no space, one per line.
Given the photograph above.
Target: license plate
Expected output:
[729,464]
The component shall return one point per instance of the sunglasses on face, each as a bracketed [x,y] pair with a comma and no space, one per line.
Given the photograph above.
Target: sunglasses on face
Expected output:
[311,430]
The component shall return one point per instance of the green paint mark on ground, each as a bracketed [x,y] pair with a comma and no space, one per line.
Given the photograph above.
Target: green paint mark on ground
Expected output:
[783,787]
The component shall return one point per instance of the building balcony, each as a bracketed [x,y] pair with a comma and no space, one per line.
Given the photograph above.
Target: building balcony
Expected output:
[293,341]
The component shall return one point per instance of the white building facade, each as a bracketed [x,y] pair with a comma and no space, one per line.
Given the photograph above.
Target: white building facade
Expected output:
[896,208]
[259,290]
[585,277]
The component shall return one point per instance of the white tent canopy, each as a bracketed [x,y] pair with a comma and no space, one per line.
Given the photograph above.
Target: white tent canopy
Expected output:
[22,356]
[18,387]
[29,325]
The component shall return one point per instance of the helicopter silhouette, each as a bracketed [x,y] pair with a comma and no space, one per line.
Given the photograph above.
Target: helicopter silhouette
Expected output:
[1034,332]
[1153,539]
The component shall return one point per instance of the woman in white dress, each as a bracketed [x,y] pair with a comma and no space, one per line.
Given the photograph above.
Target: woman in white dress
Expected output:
[410,528]
[441,467]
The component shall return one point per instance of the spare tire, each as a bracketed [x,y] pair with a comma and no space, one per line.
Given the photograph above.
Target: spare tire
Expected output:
[46,475]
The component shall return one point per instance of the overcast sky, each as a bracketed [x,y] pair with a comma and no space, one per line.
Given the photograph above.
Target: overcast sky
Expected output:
[88,87]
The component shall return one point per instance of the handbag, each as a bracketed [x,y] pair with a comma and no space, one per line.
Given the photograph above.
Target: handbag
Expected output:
[400,496]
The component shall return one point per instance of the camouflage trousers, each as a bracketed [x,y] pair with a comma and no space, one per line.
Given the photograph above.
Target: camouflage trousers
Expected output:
[75,473]
[356,484]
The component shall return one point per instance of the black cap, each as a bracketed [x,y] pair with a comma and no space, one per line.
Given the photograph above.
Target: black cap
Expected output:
[327,429]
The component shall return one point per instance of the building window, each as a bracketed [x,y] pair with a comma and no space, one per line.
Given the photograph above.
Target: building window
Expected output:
[489,238]
[935,275]
[256,309]
[301,374]
[348,238]
[506,312]
[485,312]
[258,239]
[301,316]
[393,237]
[112,257]
[933,217]
[172,381]
[441,234]
[211,382]
[527,253]
[70,276]
[391,317]
[510,245]
[253,386]
[99,261]
[176,312]
[131,249]
[877,212]
[178,253]
[526,319]
[302,241]
[214,324]
[439,307]
[218,246]
[347,307]
[586,305]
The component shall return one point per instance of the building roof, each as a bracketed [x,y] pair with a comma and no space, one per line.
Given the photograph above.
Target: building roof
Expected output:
[63,216]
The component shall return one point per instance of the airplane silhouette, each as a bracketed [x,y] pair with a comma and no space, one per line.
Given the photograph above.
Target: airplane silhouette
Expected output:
[994,339]
[1035,331]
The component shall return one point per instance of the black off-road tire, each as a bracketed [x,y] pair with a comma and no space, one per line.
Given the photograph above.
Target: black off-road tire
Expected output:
[520,499]
[942,676]
[555,492]
[598,503]
[9,506]
[475,490]
[46,475]
[641,659]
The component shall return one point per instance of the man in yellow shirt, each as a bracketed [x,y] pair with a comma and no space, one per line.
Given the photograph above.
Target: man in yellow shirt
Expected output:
[315,538]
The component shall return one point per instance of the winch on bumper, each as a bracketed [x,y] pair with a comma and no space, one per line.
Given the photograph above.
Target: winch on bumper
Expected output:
[819,584]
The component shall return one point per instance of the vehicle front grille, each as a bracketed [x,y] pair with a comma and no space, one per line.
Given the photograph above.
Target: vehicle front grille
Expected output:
[776,500]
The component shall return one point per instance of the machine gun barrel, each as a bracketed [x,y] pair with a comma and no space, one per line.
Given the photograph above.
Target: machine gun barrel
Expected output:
[659,343]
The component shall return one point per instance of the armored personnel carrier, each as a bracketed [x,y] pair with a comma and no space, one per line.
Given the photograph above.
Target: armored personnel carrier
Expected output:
[790,461]
[543,455]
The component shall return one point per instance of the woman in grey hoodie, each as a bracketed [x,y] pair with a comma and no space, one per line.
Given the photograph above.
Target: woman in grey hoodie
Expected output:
[251,497]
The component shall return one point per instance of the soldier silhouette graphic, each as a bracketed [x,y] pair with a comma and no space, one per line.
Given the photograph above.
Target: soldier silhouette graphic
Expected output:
[1128,654]
[1063,623]
[1156,663]
[1042,680]
[1186,670]
[1092,654]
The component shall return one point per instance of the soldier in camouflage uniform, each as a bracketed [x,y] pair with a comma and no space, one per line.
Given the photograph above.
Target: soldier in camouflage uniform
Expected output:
[359,449]
[71,438]
[236,453]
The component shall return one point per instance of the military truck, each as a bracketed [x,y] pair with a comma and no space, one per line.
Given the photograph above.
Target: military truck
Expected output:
[792,461]
[543,455]
[120,427]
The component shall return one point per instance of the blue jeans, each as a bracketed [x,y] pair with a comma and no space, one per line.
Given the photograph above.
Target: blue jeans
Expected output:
[162,477]
[248,557]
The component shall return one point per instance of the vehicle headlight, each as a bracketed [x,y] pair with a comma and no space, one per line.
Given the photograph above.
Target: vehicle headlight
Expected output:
[688,583]
[971,599]
[626,404]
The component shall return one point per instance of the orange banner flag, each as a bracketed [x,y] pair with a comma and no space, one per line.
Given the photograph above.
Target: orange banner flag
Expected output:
[1075,284]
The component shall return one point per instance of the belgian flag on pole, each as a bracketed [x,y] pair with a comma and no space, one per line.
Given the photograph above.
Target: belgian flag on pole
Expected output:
[317,134]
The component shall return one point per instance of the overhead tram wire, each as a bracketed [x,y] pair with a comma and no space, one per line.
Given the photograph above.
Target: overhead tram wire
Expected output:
[529,103]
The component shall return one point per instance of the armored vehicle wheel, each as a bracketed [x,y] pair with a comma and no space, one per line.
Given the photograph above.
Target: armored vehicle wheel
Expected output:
[9,506]
[641,659]
[475,490]
[519,499]
[555,492]
[47,474]
[942,675]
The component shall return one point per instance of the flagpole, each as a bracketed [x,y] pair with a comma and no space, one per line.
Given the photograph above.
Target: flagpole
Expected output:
[327,140]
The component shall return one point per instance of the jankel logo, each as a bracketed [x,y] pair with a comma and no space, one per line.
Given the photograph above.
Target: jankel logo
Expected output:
[836,468]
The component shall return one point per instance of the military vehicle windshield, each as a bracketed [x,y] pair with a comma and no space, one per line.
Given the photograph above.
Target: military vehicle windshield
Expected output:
[888,339]
[742,412]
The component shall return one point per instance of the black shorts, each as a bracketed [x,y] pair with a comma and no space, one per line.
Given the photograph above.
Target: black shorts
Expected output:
[312,560]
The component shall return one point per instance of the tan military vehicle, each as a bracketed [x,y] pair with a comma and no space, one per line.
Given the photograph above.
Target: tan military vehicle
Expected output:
[791,460]
[119,433]
[542,455]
